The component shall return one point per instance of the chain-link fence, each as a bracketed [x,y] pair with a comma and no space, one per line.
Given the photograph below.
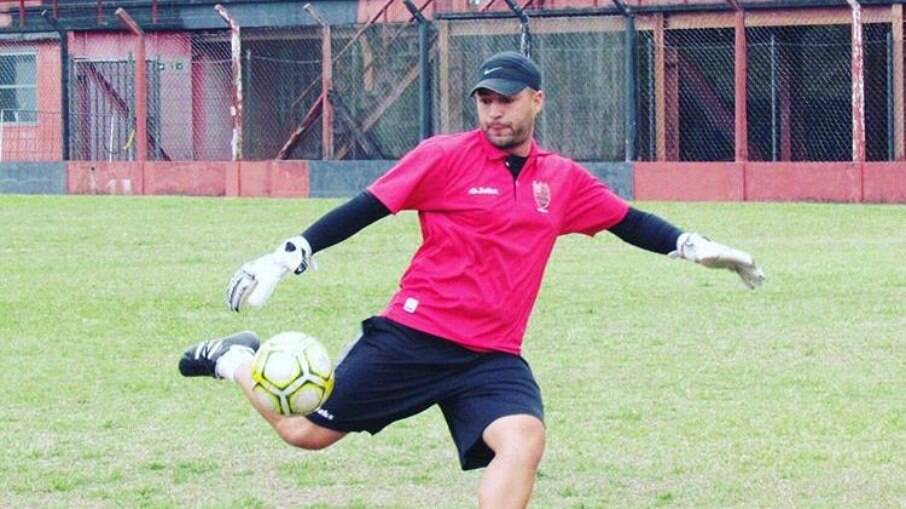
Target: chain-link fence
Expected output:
[798,91]
[29,135]
[879,108]
[375,99]
[281,89]
[102,113]
[704,93]
[583,79]
[188,104]
[210,93]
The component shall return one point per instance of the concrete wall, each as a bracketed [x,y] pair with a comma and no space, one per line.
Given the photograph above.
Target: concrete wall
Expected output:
[335,179]
[822,182]
[33,178]
[331,179]
[616,175]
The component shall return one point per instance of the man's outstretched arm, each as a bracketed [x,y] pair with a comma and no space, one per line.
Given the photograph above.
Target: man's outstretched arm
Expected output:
[345,221]
[647,231]
[652,233]
[255,281]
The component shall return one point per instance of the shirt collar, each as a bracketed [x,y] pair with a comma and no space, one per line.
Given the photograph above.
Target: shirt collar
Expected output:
[497,154]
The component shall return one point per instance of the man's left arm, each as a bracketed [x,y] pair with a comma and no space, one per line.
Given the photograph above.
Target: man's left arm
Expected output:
[652,233]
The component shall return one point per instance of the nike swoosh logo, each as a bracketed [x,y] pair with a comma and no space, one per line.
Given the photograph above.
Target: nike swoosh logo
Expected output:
[492,69]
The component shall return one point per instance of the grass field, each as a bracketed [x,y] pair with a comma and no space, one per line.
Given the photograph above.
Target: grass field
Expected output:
[666,384]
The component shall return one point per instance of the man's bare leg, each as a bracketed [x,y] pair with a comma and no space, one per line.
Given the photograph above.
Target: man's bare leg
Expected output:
[518,444]
[294,430]
[231,358]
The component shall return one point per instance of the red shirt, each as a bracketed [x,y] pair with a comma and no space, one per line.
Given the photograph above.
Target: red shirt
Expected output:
[487,237]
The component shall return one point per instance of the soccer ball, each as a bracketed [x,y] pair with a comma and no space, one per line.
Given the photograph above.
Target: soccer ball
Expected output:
[293,374]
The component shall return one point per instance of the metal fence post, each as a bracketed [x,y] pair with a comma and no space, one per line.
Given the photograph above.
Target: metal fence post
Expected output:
[631,82]
[424,66]
[632,89]
[740,73]
[141,86]
[64,80]
[891,153]
[896,32]
[525,39]
[858,85]
[2,124]
[326,84]
[236,58]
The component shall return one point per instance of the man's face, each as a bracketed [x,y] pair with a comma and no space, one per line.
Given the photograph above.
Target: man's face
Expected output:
[509,121]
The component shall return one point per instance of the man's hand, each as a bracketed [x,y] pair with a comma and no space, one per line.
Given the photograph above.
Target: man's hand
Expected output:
[701,250]
[256,280]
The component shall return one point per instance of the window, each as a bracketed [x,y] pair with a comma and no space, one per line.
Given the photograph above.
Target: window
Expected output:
[18,100]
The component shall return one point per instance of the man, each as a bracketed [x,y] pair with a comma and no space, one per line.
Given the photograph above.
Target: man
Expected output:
[491,204]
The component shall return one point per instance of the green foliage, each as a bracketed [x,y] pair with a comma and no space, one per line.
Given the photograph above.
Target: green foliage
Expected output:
[665,384]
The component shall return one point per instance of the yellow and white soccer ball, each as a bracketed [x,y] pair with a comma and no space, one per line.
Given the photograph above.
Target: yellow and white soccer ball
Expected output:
[293,374]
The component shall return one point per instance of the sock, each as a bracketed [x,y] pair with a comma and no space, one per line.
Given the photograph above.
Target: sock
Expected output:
[234,357]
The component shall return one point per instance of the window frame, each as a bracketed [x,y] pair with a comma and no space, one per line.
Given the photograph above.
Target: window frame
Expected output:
[17,86]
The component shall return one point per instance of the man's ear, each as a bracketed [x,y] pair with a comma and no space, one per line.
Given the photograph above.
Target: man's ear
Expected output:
[538,101]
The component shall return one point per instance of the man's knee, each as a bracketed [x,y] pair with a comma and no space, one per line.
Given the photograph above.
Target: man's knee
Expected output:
[302,433]
[519,438]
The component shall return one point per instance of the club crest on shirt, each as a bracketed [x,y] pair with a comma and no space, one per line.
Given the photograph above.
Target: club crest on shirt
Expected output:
[542,193]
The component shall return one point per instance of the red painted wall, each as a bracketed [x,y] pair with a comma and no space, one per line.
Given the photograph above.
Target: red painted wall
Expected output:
[822,182]
[101,177]
[276,179]
[833,182]
[885,182]
[688,181]
[830,182]
[196,179]
[40,140]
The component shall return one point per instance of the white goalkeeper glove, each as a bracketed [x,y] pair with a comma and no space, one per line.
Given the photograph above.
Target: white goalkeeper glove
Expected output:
[714,255]
[256,280]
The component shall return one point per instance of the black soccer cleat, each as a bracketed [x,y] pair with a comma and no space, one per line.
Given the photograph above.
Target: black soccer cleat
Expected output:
[201,359]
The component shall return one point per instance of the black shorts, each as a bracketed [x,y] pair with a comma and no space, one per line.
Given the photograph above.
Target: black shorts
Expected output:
[392,372]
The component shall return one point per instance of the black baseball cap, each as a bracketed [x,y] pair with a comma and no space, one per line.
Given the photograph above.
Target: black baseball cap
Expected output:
[508,73]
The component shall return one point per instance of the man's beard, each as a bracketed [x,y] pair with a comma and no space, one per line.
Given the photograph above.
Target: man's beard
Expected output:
[517,137]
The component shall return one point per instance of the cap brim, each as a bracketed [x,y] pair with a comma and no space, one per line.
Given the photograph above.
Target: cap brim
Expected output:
[501,86]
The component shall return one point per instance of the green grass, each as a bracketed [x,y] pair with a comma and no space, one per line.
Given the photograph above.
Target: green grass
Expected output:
[666,384]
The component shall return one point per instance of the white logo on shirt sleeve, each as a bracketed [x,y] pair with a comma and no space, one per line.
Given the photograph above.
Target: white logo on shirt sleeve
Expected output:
[410,305]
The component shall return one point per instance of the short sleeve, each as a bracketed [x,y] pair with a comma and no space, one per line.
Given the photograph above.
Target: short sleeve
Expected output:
[593,207]
[416,182]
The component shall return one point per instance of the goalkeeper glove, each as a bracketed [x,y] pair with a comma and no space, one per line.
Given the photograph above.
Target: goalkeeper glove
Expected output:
[256,280]
[714,255]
